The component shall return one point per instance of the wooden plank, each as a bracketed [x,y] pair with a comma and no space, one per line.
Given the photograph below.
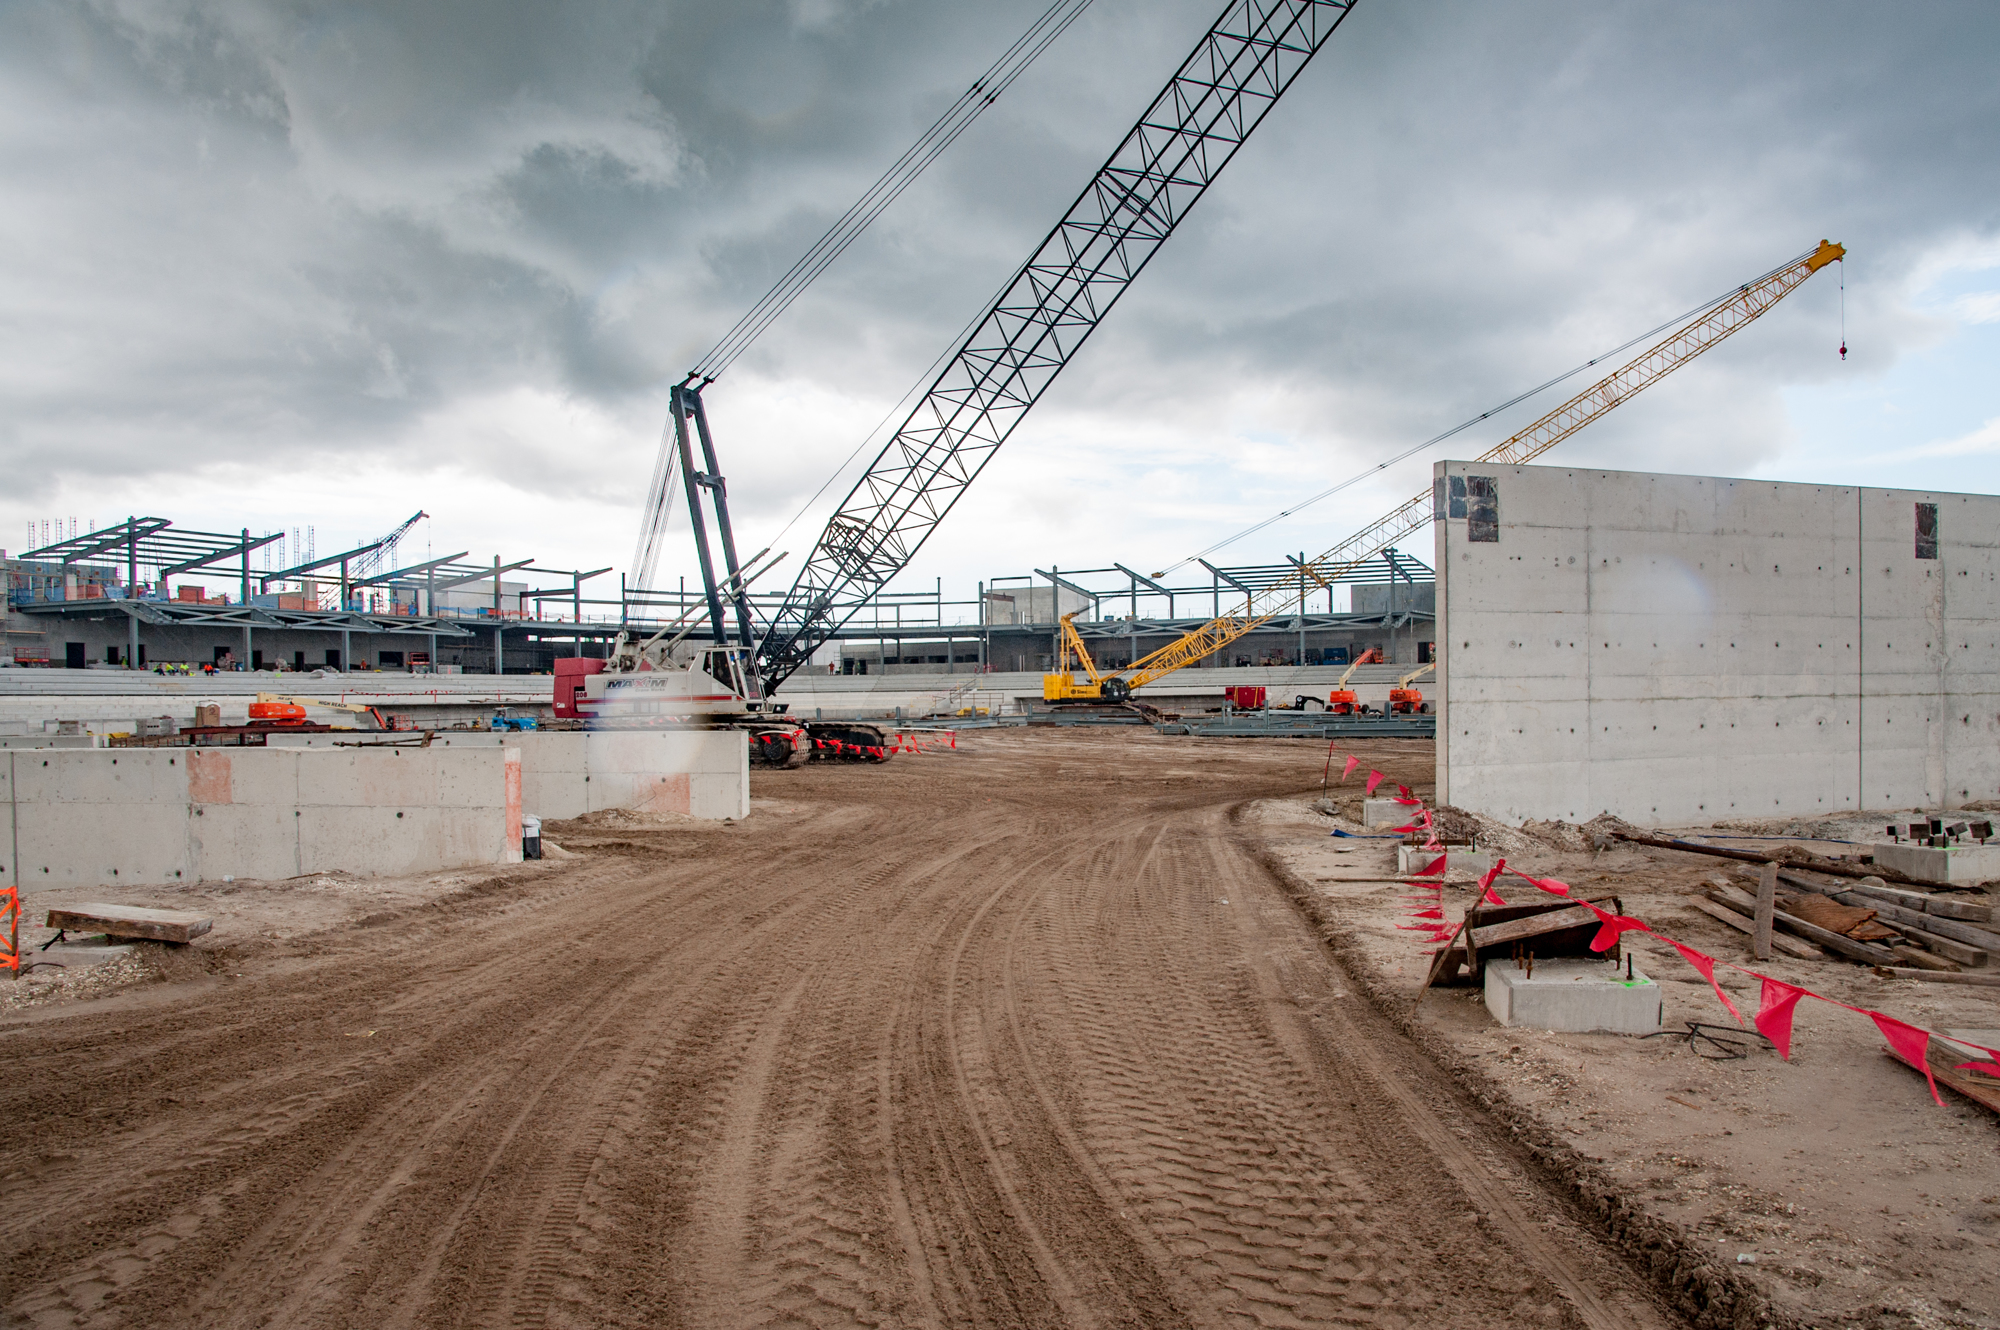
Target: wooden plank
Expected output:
[1980,1089]
[1943,946]
[1943,907]
[1767,904]
[1923,960]
[1791,946]
[1534,925]
[131,921]
[1930,923]
[1909,900]
[1938,976]
[1826,937]
[1811,863]
[1963,911]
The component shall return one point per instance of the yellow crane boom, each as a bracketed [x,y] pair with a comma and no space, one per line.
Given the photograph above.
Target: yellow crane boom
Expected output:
[1744,305]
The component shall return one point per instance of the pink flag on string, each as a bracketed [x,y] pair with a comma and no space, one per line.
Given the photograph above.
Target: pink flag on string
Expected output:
[1706,965]
[1547,884]
[1437,866]
[1488,895]
[1375,778]
[1989,1068]
[1411,803]
[1613,925]
[1774,1013]
[1911,1044]
[1348,770]
[1403,790]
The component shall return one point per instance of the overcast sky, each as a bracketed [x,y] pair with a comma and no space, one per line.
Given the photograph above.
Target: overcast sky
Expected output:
[273,265]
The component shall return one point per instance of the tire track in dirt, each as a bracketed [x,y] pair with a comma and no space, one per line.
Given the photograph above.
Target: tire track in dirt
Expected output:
[955,1041]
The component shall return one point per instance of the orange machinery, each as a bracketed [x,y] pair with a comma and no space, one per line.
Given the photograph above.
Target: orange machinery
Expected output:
[1341,701]
[1405,700]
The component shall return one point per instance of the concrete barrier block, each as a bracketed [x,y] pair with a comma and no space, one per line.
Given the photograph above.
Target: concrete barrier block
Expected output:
[716,796]
[1415,858]
[100,775]
[258,777]
[1385,813]
[377,842]
[1574,996]
[84,844]
[369,777]
[553,752]
[244,840]
[470,777]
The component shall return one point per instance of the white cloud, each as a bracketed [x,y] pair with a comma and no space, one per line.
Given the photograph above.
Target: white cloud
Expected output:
[453,262]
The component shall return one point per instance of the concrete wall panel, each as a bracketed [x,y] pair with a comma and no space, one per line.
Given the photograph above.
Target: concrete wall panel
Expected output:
[567,773]
[250,840]
[81,820]
[129,816]
[1688,648]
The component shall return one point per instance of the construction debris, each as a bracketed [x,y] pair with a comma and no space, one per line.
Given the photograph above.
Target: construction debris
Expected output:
[176,926]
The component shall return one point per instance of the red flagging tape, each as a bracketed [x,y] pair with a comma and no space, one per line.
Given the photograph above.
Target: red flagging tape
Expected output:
[1911,1043]
[1774,1014]
[1778,1000]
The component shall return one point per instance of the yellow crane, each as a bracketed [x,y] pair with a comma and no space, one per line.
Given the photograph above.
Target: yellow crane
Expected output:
[1740,308]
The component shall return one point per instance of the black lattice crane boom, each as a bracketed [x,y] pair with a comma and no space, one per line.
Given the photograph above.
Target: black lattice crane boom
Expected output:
[1222,91]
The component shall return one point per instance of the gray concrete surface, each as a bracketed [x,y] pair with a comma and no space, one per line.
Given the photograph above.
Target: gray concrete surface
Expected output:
[1572,995]
[163,815]
[1942,863]
[1686,649]
[567,773]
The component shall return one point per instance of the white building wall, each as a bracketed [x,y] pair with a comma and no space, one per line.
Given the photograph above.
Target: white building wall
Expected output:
[1678,649]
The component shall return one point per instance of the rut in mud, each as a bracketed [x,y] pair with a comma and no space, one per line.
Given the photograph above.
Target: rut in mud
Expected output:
[1017,1036]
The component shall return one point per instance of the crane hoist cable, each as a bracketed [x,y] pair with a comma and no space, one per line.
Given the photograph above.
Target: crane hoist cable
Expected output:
[1710,328]
[902,173]
[1483,416]
[1236,73]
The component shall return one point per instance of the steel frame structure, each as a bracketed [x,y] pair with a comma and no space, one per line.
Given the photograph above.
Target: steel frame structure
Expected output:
[1247,59]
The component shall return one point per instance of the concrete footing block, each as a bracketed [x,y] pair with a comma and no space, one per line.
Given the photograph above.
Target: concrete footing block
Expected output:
[1458,859]
[1573,996]
[1385,813]
[1941,863]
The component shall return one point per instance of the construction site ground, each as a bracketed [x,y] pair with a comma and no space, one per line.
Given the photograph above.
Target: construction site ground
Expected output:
[1062,1028]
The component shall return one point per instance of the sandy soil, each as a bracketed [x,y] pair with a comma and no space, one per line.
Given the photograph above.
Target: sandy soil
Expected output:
[1831,1184]
[1024,1035]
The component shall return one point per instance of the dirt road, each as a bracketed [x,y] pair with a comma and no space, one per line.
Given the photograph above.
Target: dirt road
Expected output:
[1019,1036]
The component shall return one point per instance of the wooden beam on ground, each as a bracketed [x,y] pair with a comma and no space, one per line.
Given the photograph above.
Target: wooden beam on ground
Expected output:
[1979,1088]
[1791,946]
[1826,937]
[1938,976]
[1929,923]
[1923,960]
[1767,904]
[131,921]
[1814,864]
[1534,925]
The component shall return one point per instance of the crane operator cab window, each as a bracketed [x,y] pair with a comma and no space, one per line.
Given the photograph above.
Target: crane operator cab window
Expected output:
[726,668]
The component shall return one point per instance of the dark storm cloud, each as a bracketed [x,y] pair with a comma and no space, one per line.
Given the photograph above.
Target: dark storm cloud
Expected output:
[296,232]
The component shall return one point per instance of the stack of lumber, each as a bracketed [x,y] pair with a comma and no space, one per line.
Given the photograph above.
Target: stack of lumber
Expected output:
[1869,921]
